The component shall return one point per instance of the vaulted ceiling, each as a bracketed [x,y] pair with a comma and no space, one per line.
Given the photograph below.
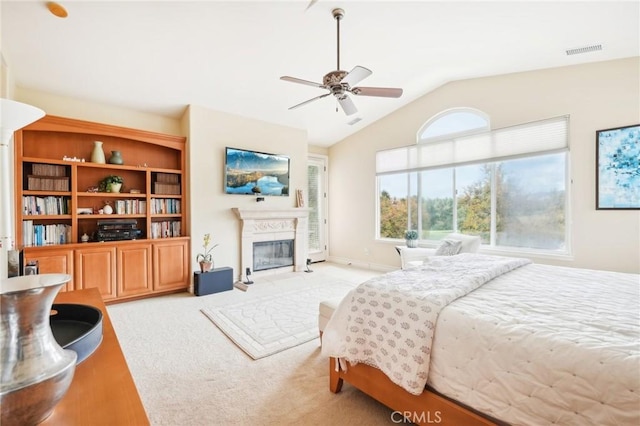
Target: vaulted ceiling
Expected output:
[160,56]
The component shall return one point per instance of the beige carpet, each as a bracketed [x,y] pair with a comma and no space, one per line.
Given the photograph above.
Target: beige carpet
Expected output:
[268,325]
[189,373]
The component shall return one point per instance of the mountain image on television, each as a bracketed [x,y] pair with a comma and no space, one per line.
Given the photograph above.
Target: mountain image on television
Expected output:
[256,173]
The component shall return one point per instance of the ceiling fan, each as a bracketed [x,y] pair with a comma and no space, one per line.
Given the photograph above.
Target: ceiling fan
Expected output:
[340,83]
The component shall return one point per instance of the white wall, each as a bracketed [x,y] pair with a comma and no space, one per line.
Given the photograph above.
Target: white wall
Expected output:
[93,111]
[596,96]
[212,131]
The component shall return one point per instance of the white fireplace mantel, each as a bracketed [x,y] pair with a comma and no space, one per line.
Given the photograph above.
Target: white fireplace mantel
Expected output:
[272,225]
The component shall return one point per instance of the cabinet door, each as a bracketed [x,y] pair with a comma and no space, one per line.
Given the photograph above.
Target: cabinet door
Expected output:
[96,267]
[170,265]
[134,269]
[53,261]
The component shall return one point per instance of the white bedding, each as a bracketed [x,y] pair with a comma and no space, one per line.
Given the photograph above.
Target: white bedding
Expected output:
[388,321]
[544,345]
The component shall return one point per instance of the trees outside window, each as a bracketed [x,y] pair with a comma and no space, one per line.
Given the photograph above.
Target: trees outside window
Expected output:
[514,203]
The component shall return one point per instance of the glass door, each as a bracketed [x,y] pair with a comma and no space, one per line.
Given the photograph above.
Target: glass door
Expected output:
[317,204]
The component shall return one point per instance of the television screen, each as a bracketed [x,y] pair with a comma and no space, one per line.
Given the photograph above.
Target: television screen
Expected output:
[256,173]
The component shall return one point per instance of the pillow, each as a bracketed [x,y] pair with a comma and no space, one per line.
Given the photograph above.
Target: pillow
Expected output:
[449,247]
[470,243]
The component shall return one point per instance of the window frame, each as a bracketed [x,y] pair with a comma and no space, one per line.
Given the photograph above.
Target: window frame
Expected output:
[453,135]
[566,252]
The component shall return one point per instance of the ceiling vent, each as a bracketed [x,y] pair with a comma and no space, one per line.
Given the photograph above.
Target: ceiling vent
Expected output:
[584,49]
[354,121]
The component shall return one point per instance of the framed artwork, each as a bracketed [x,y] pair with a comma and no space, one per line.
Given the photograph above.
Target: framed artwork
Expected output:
[618,168]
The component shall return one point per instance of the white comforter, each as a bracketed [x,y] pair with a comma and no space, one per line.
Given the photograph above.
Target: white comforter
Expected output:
[544,345]
[388,321]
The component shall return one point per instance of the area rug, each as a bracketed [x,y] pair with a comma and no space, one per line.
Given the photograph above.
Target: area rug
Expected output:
[271,324]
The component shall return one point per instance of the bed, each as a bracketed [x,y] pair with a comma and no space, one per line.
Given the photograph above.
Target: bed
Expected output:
[527,344]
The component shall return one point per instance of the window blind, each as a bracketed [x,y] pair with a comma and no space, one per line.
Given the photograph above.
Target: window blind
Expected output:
[538,137]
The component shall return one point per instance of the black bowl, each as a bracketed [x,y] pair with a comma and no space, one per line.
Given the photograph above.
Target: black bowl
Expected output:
[77,327]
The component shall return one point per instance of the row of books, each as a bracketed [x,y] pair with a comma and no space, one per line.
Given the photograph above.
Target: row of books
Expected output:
[160,188]
[165,206]
[166,229]
[48,170]
[47,183]
[41,235]
[130,207]
[32,205]
[167,178]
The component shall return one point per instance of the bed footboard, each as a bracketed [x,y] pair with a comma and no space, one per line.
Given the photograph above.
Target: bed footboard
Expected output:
[427,408]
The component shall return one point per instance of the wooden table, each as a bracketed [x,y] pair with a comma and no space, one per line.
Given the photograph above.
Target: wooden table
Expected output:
[102,391]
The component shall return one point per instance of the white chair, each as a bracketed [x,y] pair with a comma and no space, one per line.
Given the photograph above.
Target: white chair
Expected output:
[417,256]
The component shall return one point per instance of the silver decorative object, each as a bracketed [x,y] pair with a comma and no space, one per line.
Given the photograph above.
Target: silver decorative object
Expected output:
[35,372]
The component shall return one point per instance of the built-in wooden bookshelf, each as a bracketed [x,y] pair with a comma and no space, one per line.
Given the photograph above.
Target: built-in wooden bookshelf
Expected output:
[58,206]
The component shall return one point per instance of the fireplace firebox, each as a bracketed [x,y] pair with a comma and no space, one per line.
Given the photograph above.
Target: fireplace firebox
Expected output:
[272,254]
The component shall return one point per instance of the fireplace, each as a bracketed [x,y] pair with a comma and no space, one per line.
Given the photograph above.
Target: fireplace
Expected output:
[272,254]
[283,230]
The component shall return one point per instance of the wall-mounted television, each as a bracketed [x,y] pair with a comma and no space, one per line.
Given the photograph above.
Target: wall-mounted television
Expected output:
[256,173]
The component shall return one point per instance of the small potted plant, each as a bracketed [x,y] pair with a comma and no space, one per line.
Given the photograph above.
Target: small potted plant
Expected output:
[111,183]
[205,259]
[411,237]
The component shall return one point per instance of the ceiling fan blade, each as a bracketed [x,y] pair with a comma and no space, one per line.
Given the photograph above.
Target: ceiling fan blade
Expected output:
[301,81]
[347,105]
[310,100]
[311,3]
[384,92]
[356,75]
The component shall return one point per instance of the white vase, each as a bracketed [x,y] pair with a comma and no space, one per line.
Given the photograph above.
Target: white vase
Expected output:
[97,155]
[107,209]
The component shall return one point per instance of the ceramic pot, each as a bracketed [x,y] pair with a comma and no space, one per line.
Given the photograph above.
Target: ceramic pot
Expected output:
[116,158]
[115,187]
[35,372]
[97,155]
[206,266]
[412,243]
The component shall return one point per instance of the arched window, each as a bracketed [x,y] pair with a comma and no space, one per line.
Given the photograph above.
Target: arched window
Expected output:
[454,123]
[508,186]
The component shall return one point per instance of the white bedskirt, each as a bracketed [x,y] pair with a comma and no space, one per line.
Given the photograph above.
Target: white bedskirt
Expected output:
[544,345]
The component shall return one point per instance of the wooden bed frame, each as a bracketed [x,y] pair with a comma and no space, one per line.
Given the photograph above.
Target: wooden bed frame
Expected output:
[428,408]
